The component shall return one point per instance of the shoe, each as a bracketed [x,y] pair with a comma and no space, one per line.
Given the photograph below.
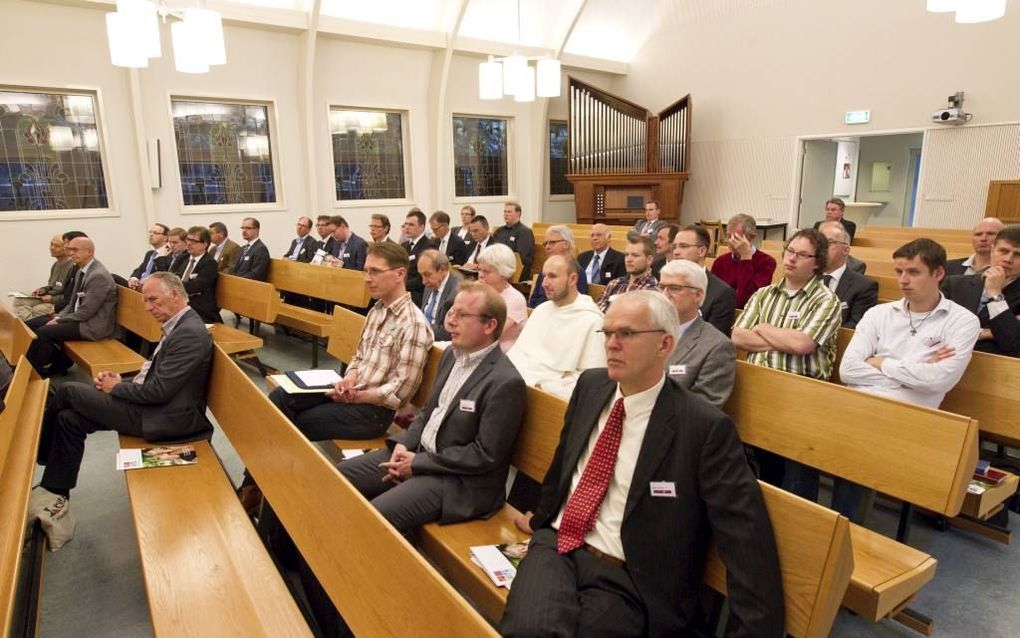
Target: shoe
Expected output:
[251,499]
[38,498]
[57,520]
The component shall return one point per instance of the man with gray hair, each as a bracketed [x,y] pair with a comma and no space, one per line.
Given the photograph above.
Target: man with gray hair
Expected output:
[704,360]
[856,292]
[746,269]
[602,263]
[559,240]
[40,304]
[441,286]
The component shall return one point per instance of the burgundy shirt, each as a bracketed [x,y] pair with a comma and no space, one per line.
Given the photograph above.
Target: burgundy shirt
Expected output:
[745,276]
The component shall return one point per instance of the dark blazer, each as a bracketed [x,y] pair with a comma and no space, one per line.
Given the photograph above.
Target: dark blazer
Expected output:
[308,248]
[355,251]
[96,315]
[956,267]
[719,305]
[650,228]
[966,290]
[201,287]
[253,263]
[470,246]
[473,448]
[521,240]
[456,231]
[225,263]
[705,362]
[413,283]
[329,246]
[169,263]
[59,300]
[137,272]
[612,265]
[856,295]
[658,261]
[856,265]
[172,399]
[693,445]
[456,249]
[443,305]
[851,227]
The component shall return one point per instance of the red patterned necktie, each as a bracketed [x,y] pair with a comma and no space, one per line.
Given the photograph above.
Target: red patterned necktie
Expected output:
[586,501]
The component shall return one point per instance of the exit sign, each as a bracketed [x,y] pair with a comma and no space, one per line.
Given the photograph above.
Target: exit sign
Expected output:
[857,117]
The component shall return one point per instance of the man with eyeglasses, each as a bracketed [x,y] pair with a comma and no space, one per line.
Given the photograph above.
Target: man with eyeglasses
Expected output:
[158,235]
[447,242]
[602,263]
[379,229]
[517,236]
[651,223]
[643,477]
[253,259]
[467,213]
[559,340]
[198,274]
[344,248]
[638,260]
[856,292]
[704,360]
[322,228]
[691,244]
[302,248]
[558,241]
[222,248]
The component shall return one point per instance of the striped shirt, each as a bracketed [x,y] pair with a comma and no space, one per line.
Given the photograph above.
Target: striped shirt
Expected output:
[392,351]
[624,284]
[813,310]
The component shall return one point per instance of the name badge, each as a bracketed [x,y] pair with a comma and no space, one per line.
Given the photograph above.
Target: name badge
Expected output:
[513,239]
[931,342]
[247,257]
[80,295]
[193,275]
[467,405]
[412,257]
[609,274]
[793,314]
[346,255]
[301,252]
[844,305]
[678,369]
[663,489]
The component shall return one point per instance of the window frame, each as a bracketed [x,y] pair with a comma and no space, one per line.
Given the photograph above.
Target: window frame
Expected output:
[111,209]
[511,164]
[405,134]
[272,118]
[559,197]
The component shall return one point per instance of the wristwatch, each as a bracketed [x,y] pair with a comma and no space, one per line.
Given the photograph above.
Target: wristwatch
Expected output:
[998,297]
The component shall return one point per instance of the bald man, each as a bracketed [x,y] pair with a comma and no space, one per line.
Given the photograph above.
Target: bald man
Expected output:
[982,239]
[40,304]
[602,263]
[90,313]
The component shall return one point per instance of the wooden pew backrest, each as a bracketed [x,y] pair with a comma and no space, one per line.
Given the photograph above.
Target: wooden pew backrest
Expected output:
[247,297]
[345,335]
[990,392]
[338,285]
[132,315]
[15,336]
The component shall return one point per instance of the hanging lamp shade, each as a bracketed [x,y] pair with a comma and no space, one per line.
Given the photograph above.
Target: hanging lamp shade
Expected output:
[145,21]
[942,6]
[974,11]
[548,78]
[209,26]
[526,87]
[514,69]
[124,42]
[490,80]
[189,54]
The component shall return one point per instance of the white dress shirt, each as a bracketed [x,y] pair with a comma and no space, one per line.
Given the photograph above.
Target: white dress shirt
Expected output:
[167,327]
[475,250]
[836,276]
[605,536]
[591,273]
[463,366]
[906,374]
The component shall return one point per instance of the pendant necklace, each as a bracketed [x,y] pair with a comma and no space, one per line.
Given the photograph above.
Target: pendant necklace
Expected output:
[910,318]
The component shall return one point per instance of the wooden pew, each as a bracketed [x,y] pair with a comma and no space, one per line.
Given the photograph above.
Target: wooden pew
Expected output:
[595,291]
[256,300]
[954,249]
[906,233]
[336,285]
[110,355]
[813,542]
[20,564]
[360,562]
[15,336]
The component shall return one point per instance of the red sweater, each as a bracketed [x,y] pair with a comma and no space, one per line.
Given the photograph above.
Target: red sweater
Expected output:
[745,276]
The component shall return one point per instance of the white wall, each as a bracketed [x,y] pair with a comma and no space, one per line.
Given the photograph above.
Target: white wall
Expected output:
[894,149]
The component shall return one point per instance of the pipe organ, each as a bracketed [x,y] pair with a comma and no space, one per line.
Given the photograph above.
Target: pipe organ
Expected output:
[620,156]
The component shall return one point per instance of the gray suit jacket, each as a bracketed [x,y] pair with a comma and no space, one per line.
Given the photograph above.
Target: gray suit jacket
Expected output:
[856,265]
[443,305]
[655,226]
[172,399]
[705,362]
[856,295]
[473,446]
[97,312]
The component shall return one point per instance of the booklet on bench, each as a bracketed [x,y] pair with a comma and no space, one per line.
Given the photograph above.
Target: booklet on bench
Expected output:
[159,456]
[500,562]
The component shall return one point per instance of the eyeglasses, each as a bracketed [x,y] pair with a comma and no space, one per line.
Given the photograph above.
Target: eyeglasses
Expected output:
[673,289]
[626,334]
[683,246]
[194,240]
[836,241]
[375,272]
[552,242]
[789,252]
[457,315]
[376,226]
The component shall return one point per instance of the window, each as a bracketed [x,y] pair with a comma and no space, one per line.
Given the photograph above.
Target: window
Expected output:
[49,152]
[558,184]
[224,152]
[368,154]
[480,157]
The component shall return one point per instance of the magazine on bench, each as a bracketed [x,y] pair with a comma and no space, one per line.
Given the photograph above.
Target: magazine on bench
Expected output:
[500,562]
[159,456]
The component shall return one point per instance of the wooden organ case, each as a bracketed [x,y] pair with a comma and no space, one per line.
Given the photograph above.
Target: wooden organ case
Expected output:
[621,156]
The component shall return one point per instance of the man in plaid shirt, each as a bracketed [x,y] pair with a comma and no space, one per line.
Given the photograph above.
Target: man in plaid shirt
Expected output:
[638,261]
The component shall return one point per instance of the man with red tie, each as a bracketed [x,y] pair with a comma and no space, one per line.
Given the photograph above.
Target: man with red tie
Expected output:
[644,475]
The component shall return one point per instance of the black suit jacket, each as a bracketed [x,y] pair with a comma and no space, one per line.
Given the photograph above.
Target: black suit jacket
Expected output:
[456,249]
[443,305]
[857,294]
[612,265]
[473,447]
[851,227]
[169,263]
[956,267]
[308,248]
[254,262]
[966,290]
[521,240]
[694,446]
[719,305]
[201,287]
[172,399]
[413,283]
[137,272]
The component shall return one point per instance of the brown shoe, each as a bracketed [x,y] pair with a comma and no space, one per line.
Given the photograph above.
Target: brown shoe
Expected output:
[251,498]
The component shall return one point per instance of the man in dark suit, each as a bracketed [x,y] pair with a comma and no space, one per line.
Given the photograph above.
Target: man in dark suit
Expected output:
[90,312]
[345,249]
[448,243]
[856,292]
[517,236]
[253,258]
[856,265]
[158,235]
[602,263]
[477,241]
[651,223]
[625,557]
[994,296]
[198,274]
[692,243]
[417,243]
[223,249]
[176,242]
[664,238]
[164,402]
[302,247]
[441,286]
[834,209]
[982,239]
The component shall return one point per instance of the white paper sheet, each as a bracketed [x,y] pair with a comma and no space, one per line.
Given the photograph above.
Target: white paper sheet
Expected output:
[318,377]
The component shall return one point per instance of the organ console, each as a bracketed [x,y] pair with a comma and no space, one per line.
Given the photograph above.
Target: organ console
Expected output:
[621,156]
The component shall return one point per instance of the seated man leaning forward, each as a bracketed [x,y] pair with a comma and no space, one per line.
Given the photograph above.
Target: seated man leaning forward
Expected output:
[609,557]
[560,339]
[386,369]
[165,401]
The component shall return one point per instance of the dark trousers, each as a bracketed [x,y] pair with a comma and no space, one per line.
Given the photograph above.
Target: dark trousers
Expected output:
[577,594]
[45,350]
[320,418]
[77,410]
[847,496]
[408,505]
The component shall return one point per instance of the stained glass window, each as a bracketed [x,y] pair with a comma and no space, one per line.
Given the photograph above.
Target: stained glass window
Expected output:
[480,156]
[50,157]
[558,184]
[368,154]
[224,152]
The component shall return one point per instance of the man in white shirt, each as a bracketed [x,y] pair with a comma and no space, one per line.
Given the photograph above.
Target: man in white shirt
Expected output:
[561,338]
[982,240]
[602,263]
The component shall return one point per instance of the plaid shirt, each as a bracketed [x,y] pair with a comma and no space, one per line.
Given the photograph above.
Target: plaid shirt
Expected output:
[392,351]
[624,284]
[813,310]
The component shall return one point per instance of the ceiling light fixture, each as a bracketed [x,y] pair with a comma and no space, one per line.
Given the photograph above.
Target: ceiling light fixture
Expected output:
[133,35]
[969,11]
[512,75]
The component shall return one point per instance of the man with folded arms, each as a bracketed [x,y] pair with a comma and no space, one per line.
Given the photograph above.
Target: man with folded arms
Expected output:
[642,479]
[42,304]
[517,236]
[692,243]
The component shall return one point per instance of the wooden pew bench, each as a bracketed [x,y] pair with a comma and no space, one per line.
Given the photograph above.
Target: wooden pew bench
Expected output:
[15,336]
[110,355]
[20,562]
[255,300]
